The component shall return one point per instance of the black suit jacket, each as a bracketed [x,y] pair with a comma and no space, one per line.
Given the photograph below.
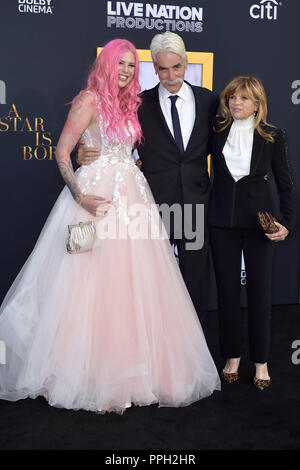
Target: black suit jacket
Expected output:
[235,204]
[172,177]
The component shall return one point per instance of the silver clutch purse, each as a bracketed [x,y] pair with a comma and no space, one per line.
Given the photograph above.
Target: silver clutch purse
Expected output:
[81,237]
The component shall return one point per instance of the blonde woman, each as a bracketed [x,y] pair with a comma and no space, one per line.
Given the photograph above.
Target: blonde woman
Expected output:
[246,150]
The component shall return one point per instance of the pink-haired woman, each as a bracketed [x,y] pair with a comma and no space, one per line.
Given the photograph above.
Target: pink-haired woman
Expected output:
[112,326]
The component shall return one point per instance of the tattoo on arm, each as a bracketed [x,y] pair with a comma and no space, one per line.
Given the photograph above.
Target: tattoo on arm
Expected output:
[67,173]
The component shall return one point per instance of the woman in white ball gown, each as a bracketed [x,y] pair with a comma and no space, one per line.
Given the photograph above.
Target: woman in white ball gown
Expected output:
[114,326]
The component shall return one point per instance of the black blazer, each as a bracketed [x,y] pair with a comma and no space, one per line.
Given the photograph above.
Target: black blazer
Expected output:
[172,177]
[235,204]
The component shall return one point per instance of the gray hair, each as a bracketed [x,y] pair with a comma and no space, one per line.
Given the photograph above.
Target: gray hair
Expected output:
[167,42]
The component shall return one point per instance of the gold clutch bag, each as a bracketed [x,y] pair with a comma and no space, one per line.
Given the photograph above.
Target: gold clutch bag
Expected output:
[81,237]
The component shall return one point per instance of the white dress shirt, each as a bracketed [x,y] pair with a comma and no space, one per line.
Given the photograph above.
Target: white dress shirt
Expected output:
[238,147]
[186,108]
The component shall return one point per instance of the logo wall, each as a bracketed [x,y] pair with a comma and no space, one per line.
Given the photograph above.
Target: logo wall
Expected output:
[265,10]
[133,15]
[35,6]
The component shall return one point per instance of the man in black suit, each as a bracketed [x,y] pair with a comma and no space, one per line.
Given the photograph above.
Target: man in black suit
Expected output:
[176,166]
[176,120]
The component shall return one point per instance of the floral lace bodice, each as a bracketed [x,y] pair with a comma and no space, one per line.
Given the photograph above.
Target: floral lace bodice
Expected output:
[95,136]
[113,154]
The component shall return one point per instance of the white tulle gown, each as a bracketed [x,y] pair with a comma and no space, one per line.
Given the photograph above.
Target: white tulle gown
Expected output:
[104,329]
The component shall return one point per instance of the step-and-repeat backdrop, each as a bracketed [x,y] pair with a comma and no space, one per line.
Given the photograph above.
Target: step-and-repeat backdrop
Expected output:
[46,50]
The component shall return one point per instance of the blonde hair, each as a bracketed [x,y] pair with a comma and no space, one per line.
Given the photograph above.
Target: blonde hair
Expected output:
[254,90]
[167,42]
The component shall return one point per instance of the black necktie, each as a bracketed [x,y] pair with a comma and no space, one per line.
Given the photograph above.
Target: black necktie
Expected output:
[176,123]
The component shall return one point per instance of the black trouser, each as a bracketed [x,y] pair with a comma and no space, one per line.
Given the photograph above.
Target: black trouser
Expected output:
[193,262]
[194,269]
[227,244]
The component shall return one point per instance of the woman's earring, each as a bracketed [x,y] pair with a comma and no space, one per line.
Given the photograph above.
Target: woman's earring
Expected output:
[255,113]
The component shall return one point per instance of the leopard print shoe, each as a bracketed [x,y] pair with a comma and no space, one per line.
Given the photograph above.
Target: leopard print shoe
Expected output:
[230,377]
[261,384]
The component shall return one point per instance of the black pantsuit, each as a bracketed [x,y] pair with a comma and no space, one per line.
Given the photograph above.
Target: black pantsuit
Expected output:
[227,244]
[234,227]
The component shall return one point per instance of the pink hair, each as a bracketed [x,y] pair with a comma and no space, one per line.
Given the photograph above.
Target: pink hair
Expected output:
[117,105]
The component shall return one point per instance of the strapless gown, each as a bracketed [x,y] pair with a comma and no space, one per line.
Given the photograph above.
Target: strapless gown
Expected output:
[111,327]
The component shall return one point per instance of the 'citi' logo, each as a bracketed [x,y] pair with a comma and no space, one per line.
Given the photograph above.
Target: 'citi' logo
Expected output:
[267,9]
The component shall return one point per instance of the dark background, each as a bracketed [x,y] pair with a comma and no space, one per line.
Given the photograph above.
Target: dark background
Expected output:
[44,62]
